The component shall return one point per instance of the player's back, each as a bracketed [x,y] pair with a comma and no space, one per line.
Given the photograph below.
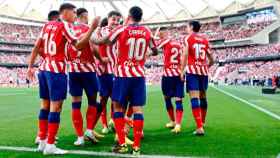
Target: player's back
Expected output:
[133,45]
[172,52]
[85,55]
[198,46]
[54,36]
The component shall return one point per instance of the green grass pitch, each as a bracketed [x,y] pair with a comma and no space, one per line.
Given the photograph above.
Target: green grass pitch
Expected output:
[233,128]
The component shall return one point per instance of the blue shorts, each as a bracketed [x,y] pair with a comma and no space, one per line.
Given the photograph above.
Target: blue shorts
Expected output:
[172,86]
[79,81]
[52,86]
[131,88]
[196,82]
[106,84]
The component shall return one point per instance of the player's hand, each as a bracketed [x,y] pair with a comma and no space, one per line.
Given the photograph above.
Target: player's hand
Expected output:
[182,76]
[30,73]
[95,22]
[211,63]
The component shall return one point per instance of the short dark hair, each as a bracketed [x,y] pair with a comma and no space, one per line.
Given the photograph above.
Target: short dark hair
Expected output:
[195,25]
[114,13]
[136,13]
[104,22]
[66,6]
[80,11]
[163,28]
[52,14]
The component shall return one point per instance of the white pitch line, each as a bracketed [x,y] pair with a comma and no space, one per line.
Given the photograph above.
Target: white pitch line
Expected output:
[89,153]
[250,104]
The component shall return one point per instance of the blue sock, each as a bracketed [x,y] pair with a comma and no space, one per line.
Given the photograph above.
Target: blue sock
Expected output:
[179,105]
[195,103]
[76,105]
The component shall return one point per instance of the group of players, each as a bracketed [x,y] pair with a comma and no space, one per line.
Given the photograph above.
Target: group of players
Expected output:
[109,57]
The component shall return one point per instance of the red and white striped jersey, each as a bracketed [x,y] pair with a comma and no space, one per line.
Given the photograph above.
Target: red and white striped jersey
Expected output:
[197,46]
[172,52]
[106,51]
[83,60]
[55,35]
[133,43]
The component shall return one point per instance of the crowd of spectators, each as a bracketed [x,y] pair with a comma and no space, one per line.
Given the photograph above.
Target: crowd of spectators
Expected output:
[18,33]
[14,77]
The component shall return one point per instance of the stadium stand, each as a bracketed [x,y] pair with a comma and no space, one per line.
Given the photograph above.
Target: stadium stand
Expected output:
[16,43]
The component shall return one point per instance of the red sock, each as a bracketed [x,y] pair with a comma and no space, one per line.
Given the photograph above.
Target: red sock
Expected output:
[179,116]
[104,118]
[91,116]
[43,129]
[119,125]
[197,116]
[53,125]
[103,114]
[170,111]
[43,124]
[77,120]
[138,124]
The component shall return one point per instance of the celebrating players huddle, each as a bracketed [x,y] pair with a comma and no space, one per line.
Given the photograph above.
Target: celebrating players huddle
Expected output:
[109,58]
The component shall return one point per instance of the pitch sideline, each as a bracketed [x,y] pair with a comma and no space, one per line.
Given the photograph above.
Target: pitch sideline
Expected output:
[248,103]
[89,153]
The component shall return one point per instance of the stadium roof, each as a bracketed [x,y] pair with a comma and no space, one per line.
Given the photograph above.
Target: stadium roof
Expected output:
[154,10]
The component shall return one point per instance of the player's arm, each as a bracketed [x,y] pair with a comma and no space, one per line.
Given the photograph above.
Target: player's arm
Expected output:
[82,43]
[153,47]
[210,57]
[184,60]
[34,54]
[102,40]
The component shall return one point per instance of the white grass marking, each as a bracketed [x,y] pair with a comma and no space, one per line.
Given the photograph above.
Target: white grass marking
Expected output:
[250,104]
[89,153]
[11,94]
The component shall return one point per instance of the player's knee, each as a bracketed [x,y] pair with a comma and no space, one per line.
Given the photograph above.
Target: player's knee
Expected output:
[195,103]
[76,98]
[45,104]
[56,106]
[137,109]
[117,107]
[194,94]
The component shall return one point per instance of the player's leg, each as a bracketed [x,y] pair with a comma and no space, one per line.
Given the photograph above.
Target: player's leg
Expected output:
[76,91]
[44,111]
[106,82]
[57,85]
[166,90]
[179,95]
[43,120]
[203,98]
[119,95]
[192,86]
[90,84]
[138,100]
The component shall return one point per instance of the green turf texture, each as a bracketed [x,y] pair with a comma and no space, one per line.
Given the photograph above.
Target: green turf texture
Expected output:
[233,128]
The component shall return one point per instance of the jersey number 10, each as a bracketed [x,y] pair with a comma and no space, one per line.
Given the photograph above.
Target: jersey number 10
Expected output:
[137,48]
